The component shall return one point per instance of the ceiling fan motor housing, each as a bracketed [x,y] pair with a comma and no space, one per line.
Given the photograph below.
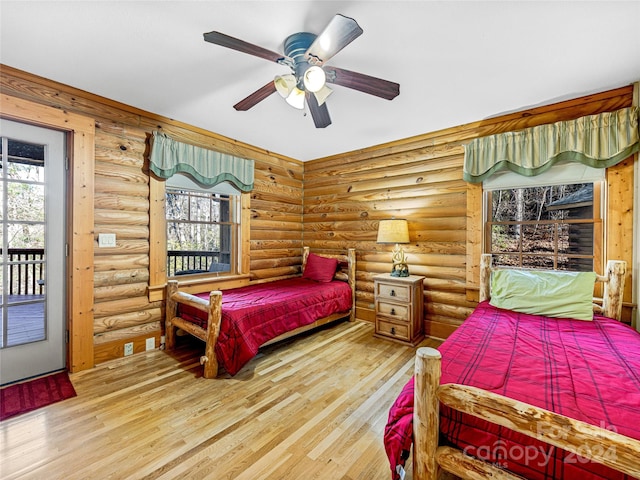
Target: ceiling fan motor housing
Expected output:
[295,47]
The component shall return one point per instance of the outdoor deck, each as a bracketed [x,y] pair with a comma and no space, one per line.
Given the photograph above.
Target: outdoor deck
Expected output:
[25,322]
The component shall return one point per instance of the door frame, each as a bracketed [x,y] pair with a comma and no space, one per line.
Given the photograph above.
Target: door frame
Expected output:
[80,131]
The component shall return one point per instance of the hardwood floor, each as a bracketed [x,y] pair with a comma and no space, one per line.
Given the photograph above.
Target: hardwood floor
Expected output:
[313,408]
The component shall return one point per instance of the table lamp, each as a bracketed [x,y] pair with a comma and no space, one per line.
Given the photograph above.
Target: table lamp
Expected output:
[395,231]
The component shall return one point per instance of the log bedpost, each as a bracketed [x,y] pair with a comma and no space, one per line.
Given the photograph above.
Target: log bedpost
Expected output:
[485,277]
[426,415]
[209,359]
[351,254]
[305,256]
[171,311]
[613,288]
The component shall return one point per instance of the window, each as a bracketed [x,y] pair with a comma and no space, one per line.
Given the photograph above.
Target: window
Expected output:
[549,221]
[202,227]
[239,257]
[549,227]
[202,231]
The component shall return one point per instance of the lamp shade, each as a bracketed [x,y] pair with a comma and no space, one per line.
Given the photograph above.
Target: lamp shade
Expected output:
[296,98]
[395,230]
[284,84]
[322,94]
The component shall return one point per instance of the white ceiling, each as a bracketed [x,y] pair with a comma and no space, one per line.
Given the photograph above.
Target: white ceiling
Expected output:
[456,62]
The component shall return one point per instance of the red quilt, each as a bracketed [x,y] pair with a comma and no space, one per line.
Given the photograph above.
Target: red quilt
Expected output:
[253,315]
[589,371]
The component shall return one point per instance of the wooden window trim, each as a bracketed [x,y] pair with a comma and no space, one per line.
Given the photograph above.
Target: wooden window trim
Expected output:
[613,245]
[158,248]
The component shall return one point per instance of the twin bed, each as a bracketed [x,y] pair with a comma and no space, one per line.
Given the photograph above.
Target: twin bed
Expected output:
[511,394]
[519,395]
[234,325]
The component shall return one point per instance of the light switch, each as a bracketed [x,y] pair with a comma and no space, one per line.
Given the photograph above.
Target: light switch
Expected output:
[106,240]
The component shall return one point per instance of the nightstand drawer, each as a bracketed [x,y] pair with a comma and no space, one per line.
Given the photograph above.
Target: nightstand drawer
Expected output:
[397,312]
[391,329]
[399,303]
[396,292]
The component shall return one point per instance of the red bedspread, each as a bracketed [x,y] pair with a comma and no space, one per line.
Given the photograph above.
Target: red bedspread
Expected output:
[589,371]
[253,315]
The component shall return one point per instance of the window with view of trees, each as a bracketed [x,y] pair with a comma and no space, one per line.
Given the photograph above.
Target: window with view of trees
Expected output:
[202,231]
[549,227]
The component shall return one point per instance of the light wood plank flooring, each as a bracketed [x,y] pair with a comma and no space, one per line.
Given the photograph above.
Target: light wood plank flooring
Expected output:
[310,408]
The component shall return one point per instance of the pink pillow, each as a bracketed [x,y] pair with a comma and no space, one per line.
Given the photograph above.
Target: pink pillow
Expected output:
[320,269]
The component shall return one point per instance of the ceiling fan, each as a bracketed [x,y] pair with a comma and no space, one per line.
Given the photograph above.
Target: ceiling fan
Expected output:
[306,55]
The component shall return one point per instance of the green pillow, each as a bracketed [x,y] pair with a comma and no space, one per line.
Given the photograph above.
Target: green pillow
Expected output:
[549,293]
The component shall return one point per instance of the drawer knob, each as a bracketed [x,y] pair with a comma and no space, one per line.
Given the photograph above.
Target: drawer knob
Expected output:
[393,311]
[393,330]
[392,293]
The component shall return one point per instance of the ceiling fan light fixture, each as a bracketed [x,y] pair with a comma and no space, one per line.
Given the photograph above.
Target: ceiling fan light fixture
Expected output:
[322,94]
[284,84]
[314,78]
[305,54]
[296,98]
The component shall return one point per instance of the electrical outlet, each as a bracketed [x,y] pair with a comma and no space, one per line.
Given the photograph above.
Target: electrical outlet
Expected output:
[128,349]
[150,343]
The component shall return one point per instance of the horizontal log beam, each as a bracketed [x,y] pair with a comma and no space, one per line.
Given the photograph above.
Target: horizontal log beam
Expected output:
[583,439]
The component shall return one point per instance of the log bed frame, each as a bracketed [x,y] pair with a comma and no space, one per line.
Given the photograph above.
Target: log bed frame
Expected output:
[432,461]
[213,308]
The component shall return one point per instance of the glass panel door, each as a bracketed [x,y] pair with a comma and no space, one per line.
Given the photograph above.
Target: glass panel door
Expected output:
[32,251]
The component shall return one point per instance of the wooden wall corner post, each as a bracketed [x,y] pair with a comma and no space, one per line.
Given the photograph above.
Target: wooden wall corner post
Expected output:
[171,308]
[209,359]
[426,414]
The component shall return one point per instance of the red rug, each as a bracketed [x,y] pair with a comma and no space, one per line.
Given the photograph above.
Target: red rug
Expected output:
[40,392]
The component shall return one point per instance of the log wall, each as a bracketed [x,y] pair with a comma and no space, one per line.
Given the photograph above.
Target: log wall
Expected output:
[122,311]
[420,179]
[332,203]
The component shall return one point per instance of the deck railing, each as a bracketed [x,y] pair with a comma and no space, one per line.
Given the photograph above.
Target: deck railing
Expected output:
[182,261]
[26,266]
[25,271]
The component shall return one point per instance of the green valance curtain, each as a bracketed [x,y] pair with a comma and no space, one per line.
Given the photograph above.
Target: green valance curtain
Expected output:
[596,140]
[207,167]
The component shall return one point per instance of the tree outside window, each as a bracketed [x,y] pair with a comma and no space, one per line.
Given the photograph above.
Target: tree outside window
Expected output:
[548,227]
[202,230]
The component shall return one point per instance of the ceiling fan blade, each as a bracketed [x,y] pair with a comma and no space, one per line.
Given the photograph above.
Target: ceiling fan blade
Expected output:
[364,83]
[320,113]
[339,33]
[256,97]
[242,46]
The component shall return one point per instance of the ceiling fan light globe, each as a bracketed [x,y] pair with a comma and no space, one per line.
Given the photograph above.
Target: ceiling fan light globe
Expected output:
[314,78]
[284,84]
[296,98]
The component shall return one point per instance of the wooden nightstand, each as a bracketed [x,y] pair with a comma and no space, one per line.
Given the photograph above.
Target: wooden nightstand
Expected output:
[399,306]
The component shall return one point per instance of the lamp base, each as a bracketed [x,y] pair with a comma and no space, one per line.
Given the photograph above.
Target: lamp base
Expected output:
[400,270]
